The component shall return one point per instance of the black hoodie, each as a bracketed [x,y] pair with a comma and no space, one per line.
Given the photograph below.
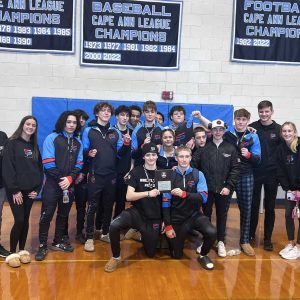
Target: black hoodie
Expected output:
[20,171]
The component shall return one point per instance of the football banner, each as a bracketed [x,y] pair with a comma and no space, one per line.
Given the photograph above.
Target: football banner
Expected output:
[266,31]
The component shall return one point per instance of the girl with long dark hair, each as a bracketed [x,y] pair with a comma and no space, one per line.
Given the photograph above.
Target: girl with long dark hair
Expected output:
[23,177]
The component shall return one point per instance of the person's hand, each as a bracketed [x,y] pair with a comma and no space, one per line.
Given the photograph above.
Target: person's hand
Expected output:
[177,192]
[171,234]
[79,178]
[196,114]
[154,193]
[147,140]
[225,191]
[64,183]
[18,198]
[191,143]
[244,152]
[126,139]
[32,195]
[92,153]
[251,129]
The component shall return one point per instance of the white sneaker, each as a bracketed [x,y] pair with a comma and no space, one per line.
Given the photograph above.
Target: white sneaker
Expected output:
[89,245]
[221,249]
[292,254]
[198,250]
[286,249]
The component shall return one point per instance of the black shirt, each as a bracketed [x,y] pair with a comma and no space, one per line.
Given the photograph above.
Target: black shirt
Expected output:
[143,180]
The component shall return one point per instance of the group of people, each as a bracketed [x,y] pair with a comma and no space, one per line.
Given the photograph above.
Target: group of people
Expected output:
[100,166]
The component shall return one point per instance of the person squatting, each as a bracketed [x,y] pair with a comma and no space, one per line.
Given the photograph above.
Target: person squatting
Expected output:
[100,166]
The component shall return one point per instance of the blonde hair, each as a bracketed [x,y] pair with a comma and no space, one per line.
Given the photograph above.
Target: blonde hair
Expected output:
[294,144]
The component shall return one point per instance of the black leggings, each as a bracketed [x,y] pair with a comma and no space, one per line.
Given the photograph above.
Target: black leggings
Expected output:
[289,221]
[131,218]
[199,223]
[21,213]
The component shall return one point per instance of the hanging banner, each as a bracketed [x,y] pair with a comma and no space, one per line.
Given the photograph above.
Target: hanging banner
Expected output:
[135,34]
[266,31]
[37,25]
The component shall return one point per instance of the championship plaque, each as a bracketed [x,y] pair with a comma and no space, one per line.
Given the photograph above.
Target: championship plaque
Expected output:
[163,180]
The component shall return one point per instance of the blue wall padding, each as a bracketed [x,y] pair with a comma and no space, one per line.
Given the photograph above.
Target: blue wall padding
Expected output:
[47,110]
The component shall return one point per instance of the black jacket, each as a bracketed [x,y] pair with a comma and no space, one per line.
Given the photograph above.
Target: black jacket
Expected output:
[19,170]
[269,137]
[288,167]
[220,165]
[3,138]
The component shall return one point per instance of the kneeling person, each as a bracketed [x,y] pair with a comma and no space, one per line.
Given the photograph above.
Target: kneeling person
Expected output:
[145,214]
[181,209]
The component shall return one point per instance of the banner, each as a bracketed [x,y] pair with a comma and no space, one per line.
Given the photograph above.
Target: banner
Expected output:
[266,31]
[37,25]
[135,34]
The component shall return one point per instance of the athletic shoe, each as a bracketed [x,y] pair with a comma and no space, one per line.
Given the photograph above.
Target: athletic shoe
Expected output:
[105,238]
[42,252]
[294,253]
[80,238]
[247,249]
[206,262]
[89,245]
[133,234]
[268,246]
[221,249]
[112,264]
[66,240]
[198,250]
[286,249]
[3,252]
[62,247]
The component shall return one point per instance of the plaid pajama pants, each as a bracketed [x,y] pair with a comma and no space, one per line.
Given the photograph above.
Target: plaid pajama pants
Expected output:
[244,192]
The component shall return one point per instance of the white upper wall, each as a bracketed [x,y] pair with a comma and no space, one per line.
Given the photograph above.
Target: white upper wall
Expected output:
[206,74]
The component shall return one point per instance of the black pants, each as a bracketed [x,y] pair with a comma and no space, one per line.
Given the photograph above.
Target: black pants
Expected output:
[222,205]
[21,213]
[289,221]
[131,218]
[199,223]
[120,195]
[51,198]
[81,196]
[270,184]
[101,192]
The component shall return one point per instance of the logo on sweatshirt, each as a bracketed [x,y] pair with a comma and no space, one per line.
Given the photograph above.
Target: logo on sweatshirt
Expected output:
[28,153]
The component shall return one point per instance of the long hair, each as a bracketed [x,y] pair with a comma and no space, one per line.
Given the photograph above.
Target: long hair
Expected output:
[294,144]
[33,138]
[62,120]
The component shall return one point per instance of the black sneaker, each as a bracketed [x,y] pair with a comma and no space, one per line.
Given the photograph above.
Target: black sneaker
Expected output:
[62,247]
[80,238]
[3,252]
[41,254]
[268,246]
[66,240]
[206,262]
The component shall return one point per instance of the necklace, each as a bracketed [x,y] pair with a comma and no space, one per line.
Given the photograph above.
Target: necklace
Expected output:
[149,133]
[102,134]
[147,176]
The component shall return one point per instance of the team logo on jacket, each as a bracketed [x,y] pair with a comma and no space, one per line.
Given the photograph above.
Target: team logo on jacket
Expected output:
[290,159]
[111,136]
[155,226]
[191,183]
[74,148]
[273,136]
[226,155]
[157,137]
[28,153]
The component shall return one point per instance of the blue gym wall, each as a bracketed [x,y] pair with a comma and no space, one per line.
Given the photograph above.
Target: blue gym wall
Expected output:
[47,110]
